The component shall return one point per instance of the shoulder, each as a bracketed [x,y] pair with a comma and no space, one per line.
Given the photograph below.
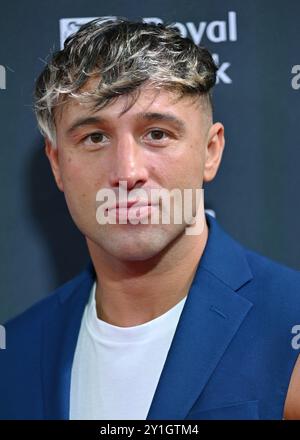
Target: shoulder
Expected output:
[30,336]
[274,290]
[267,267]
[272,275]
[275,281]
[238,265]
[25,327]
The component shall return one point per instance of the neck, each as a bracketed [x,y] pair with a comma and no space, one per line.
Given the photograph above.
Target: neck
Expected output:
[130,293]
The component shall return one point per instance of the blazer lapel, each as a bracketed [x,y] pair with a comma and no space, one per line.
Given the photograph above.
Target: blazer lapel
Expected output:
[60,333]
[212,314]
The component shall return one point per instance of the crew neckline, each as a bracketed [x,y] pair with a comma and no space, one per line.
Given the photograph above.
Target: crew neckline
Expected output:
[104,331]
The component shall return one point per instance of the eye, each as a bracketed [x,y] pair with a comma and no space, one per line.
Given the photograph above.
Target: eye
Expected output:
[95,139]
[157,135]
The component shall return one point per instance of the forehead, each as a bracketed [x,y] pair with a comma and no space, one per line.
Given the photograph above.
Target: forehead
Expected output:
[149,99]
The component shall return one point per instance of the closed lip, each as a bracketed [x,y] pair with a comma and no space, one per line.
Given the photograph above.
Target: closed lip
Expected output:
[128,205]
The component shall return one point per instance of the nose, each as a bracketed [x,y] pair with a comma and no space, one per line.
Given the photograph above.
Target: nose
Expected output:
[128,164]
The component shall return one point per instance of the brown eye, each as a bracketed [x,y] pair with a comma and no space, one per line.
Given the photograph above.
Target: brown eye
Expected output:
[157,135]
[96,137]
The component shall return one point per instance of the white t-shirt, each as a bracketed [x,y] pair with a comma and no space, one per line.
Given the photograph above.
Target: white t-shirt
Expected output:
[116,369]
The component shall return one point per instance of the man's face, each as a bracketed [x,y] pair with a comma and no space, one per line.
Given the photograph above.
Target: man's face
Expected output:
[158,143]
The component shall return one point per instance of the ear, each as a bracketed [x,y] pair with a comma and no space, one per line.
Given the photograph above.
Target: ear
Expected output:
[53,156]
[214,151]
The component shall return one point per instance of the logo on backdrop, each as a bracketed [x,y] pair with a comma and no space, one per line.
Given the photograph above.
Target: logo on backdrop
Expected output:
[208,33]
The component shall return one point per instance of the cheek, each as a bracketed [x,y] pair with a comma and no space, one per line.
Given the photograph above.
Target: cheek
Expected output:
[79,193]
[76,173]
[183,169]
[191,165]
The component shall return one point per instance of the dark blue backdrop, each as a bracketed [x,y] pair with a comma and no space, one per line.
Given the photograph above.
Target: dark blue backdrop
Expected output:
[255,194]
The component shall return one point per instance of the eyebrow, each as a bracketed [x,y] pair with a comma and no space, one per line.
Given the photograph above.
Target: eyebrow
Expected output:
[164,117]
[82,122]
[149,116]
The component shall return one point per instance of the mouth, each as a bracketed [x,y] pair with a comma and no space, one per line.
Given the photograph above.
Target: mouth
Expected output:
[133,210]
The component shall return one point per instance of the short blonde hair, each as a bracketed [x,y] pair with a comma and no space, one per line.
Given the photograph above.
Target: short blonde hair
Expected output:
[124,55]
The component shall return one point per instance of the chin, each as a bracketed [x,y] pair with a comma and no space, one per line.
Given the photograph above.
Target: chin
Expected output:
[137,245]
[134,250]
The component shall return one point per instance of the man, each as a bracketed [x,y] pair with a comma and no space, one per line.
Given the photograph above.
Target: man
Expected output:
[167,321]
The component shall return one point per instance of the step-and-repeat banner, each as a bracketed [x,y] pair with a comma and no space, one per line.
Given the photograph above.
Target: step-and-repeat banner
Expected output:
[257,98]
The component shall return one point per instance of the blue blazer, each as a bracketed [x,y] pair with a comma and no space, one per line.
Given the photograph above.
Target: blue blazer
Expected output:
[231,356]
